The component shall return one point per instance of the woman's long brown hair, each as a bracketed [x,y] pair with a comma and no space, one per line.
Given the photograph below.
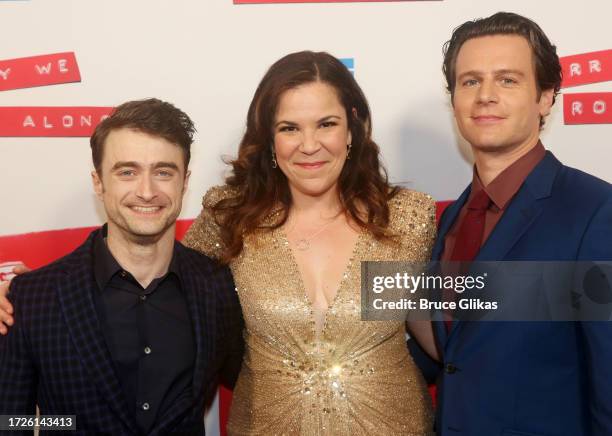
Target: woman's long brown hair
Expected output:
[261,190]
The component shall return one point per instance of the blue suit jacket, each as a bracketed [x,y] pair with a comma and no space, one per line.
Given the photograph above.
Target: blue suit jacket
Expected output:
[55,354]
[533,378]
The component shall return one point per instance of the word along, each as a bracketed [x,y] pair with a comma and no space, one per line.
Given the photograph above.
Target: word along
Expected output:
[587,68]
[51,121]
[41,70]
[587,108]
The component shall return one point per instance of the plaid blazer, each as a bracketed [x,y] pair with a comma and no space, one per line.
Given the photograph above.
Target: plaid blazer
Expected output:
[55,354]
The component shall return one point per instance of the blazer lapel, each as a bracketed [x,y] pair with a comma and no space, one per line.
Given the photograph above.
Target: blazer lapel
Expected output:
[521,213]
[447,221]
[202,309]
[75,292]
[516,220]
[201,306]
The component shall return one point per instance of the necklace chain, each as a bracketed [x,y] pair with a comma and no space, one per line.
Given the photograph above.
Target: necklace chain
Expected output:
[303,244]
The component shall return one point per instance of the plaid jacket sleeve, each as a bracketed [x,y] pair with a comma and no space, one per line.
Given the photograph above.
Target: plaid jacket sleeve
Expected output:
[18,376]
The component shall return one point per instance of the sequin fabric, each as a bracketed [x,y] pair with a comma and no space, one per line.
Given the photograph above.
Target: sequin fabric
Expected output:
[350,377]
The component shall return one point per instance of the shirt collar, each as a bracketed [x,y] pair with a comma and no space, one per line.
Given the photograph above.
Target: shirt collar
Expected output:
[508,182]
[106,266]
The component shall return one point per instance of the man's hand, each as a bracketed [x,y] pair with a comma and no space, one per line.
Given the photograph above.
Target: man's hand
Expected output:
[6,308]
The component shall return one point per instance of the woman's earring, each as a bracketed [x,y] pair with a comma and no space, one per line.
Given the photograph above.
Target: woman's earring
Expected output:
[348,152]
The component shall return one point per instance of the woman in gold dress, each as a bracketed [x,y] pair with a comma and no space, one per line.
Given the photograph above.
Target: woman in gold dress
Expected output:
[307,201]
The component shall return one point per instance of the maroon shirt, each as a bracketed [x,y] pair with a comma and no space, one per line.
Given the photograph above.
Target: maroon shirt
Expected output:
[501,190]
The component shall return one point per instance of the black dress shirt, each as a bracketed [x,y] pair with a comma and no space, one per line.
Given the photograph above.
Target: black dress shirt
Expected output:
[148,332]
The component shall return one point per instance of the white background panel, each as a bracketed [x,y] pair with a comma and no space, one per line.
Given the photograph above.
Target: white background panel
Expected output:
[207,57]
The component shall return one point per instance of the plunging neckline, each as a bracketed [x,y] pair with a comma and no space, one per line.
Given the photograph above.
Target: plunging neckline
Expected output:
[302,287]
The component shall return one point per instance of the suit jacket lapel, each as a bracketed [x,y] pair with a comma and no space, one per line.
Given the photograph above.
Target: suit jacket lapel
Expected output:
[447,221]
[75,292]
[517,219]
[201,306]
[201,302]
[520,214]
[522,211]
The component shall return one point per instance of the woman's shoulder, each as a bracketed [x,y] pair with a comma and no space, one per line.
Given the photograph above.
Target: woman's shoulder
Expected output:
[204,235]
[411,211]
[409,199]
[412,217]
[218,193]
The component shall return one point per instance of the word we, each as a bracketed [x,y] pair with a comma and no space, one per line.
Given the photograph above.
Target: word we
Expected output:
[40,70]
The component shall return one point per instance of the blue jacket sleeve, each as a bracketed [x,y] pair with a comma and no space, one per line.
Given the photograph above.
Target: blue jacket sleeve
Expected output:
[597,245]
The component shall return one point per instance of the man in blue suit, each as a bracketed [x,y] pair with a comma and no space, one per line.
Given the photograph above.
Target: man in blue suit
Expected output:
[519,378]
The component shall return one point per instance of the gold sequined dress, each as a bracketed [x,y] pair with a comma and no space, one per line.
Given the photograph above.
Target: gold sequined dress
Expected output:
[349,377]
